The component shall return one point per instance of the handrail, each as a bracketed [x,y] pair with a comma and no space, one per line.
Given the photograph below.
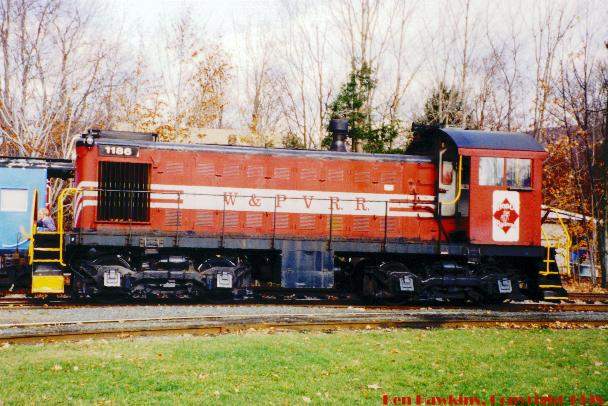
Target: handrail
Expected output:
[34,228]
[566,246]
[60,231]
[548,260]
[459,190]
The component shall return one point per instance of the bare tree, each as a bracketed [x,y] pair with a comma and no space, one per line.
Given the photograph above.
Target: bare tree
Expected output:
[54,74]
[366,27]
[580,109]
[553,22]
[307,85]
[194,74]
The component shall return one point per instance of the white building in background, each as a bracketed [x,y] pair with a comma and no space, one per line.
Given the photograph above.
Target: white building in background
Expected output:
[553,235]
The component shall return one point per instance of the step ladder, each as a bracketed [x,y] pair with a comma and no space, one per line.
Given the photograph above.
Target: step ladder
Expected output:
[46,250]
[550,282]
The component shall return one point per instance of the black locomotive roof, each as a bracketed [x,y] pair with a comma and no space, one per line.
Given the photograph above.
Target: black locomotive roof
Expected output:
[265,151]
[475,139]
[426,136]
[56,168]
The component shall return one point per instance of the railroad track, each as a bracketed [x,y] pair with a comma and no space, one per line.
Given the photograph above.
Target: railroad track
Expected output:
[589,297]
[218,324]
[595,303]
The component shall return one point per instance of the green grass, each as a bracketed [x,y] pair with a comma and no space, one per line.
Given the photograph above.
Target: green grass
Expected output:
[292,368]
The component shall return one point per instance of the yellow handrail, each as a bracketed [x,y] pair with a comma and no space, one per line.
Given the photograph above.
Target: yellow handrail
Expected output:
[459,190]
[548,260]
[60,231]
[566,246]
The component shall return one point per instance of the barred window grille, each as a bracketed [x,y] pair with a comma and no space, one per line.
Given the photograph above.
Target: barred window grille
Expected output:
[124,192]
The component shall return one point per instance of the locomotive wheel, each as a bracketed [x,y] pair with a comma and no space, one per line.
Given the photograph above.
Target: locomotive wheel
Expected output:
[374,284]
[490,296]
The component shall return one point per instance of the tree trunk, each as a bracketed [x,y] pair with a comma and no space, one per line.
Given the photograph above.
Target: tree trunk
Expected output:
[603,248]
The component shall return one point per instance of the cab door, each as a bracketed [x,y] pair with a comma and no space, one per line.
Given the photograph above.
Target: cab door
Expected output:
[447,184]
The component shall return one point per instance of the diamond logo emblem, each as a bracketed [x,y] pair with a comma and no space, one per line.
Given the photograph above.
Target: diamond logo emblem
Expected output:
[506,216]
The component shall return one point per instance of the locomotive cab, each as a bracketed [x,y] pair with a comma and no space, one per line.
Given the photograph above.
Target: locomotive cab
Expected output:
[503,171]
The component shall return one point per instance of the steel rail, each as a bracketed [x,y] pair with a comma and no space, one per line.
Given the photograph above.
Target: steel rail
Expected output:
[292,323]
[589,296]
[19,303]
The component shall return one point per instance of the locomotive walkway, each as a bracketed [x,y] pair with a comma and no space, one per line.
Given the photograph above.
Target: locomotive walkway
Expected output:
[27,325]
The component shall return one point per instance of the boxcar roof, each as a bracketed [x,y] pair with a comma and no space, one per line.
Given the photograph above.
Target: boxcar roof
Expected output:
[296,153]
[56,168]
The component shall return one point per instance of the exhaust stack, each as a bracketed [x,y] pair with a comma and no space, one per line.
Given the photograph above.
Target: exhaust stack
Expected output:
[339,131]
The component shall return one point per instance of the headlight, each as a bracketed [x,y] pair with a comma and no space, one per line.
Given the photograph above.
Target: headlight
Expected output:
[89,140]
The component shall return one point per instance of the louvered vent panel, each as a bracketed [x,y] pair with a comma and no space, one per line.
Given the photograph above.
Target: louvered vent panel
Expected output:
[308,222]
[231,219]
[253,220]
[335,175]
[389,177]
[391,224]
[361,223]
[204,219]
[231,170]
[363,177]
[337,223]
[309,174]
[173,218]
[205,169]
[174,168]
[255,172]
[281,173]
[282,220]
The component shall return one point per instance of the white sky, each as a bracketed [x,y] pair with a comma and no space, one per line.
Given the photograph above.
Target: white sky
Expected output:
[232,21]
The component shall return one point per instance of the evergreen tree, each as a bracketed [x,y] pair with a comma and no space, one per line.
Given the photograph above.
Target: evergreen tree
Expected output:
[353,103]
[444,108]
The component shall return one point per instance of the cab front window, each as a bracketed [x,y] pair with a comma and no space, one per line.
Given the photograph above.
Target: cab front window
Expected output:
[491,171]
[519,173]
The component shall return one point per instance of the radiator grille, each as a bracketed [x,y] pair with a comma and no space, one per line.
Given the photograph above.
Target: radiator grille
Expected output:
[124,192]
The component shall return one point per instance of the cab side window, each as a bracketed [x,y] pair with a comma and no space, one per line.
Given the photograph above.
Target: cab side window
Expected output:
[13,200]
[519,173]
[491,171]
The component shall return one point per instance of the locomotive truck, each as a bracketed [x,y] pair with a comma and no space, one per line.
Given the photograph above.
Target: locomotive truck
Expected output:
[458,217]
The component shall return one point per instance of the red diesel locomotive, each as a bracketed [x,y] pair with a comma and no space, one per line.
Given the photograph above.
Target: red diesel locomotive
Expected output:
[457,218]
